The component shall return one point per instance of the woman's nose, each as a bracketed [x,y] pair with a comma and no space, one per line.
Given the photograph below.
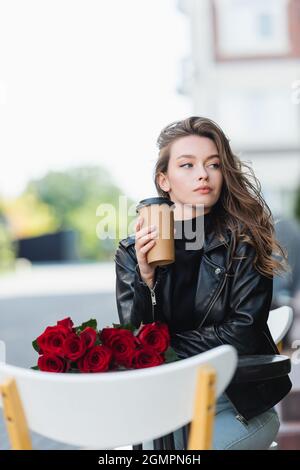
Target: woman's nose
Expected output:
[202,173]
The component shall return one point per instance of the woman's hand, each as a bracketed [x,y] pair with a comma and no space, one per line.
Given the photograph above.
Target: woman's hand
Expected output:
[144,241]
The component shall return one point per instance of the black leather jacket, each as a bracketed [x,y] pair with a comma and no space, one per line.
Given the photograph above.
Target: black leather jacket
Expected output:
[233,301]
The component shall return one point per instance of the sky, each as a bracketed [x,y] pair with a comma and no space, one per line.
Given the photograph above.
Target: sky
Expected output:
[88,82]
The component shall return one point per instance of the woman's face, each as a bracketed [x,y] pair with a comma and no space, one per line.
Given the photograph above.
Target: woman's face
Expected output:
[193,163]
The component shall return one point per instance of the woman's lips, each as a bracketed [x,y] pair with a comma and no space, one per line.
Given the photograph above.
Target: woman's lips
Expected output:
[203,191]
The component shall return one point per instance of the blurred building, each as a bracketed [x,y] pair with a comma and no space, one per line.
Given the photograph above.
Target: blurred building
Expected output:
[243,72]
[287,287]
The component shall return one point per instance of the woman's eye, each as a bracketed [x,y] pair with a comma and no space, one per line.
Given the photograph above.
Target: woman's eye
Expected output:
[216,165]
[185,164]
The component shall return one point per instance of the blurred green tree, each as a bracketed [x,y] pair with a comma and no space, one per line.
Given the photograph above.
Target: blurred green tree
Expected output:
[73,197]
[7,251]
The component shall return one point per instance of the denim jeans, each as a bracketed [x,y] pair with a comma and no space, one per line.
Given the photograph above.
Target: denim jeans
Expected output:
[233,434]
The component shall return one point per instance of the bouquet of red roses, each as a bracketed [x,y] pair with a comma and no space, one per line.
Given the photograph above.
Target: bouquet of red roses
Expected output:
[69,348]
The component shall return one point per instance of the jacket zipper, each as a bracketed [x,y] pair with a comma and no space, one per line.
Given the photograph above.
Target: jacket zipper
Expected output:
[214,300]
[238,416]
[153,298]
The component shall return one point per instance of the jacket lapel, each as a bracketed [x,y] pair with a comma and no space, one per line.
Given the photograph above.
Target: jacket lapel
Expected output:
[211,241]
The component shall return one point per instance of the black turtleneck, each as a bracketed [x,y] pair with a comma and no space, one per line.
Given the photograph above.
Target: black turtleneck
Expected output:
[184,271]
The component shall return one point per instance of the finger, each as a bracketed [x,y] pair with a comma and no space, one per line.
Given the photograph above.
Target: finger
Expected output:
[147,247]
[138,223]
[144,231]
[145,238]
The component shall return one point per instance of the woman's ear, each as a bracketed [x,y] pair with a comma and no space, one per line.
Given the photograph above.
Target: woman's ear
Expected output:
[163,182]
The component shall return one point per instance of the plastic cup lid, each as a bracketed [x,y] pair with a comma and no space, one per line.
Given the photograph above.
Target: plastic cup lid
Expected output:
[154,200]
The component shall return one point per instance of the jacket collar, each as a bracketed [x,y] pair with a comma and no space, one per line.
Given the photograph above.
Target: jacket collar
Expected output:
[211,241]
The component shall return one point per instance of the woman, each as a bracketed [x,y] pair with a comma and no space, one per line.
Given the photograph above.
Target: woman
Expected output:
[217,294]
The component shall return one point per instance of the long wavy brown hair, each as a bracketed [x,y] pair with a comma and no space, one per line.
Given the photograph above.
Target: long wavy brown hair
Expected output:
[241,207]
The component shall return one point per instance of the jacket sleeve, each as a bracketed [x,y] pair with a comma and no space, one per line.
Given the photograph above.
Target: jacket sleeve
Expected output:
[248,310]
[133,296]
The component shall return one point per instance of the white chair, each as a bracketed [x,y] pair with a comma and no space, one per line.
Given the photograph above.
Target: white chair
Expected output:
[112,409]
[279,322]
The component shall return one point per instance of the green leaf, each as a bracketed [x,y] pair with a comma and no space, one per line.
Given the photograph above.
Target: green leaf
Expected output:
[126,326]
[35,346]
[92,323]
[35,368]
[170,355]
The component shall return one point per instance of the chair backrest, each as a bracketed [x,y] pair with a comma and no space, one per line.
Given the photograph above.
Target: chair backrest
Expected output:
[279,322]
[111,409]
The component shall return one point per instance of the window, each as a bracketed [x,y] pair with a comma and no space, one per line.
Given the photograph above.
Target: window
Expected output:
[251,28]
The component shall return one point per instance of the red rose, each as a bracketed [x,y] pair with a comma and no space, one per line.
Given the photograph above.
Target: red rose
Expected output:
[155,335]
[96,359]
[146,357]
[52,363]
[66,323]
[122,343]
[74,347]
[89,336]
[52,340]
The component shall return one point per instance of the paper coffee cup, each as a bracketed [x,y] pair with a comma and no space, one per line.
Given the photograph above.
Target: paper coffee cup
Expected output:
[159,211]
